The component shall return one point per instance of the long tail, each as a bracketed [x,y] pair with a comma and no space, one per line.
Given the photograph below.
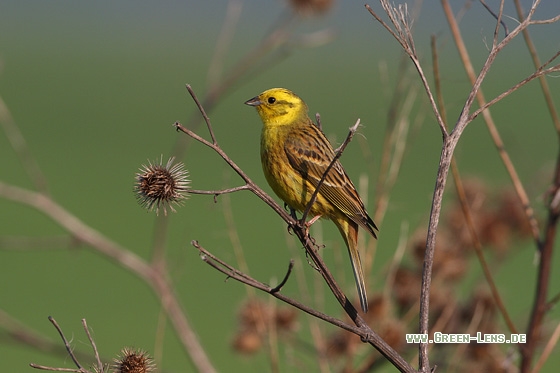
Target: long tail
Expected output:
[349,231]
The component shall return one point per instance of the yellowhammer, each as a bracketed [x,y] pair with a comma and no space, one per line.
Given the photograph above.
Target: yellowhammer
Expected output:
[295,155]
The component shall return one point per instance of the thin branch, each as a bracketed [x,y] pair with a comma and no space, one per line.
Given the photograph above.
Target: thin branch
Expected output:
[466,209]
[363,330]
[59,242]
[233,234]
[204,115]
[537,74]
[536,62]
[53,369]
[23,333]
[441,180]
[225,38]
[70,352]
[404,37]
[318,121]
[552,342]
[499,21]
[338,154]
[250,185]
[546,21]
[125,258]
[476,92]
[540,305]
[394,147]
[448,148]
[66,344]
[449,143]
[19,144]
[498,17]
[285,279]
[551,303]
[463,121]
[94,346]
[300,230]
[220,191]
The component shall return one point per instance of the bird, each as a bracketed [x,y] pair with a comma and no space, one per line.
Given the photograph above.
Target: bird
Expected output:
[295,155]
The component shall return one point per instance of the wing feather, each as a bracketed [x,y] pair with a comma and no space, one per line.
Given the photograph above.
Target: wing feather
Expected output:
[310,153]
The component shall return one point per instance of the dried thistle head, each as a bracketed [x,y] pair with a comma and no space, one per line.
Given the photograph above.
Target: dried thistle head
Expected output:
[393,331]
[131,360]
[258,315]
[160,186]
[256,319]
[406,287]
[247,342]
[308,7]
[286,319]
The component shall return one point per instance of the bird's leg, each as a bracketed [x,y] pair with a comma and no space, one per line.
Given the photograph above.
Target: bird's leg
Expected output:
[292,211]
[292,214]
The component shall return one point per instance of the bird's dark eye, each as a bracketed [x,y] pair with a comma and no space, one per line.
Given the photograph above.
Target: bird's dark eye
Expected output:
[271,100]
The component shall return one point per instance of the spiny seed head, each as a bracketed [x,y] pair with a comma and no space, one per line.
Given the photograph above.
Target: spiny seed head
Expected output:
[132,360]
[160,186]
[247,342]
[309,7]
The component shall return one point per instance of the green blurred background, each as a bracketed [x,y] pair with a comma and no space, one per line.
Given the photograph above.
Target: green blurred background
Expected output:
[94,88]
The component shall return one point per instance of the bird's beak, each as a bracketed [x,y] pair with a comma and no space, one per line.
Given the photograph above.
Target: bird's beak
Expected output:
[253,102]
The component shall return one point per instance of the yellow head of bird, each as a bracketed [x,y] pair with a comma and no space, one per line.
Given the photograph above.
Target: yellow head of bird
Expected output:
[278,106]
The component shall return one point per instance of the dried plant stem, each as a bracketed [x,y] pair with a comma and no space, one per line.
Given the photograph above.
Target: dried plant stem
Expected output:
[19,144]
[319,339]
[400,30]
[233,234]
[93,345]
[465,204]
[552,342]
[546,245]
[403,35]
[126,258]
[215,68]
[66,344]
[338,154]
[300,230]
[476,81]
[220,83]
[478,250]
[21,333]
[394,143]
[69,351]
[361,328]
[53,369]
[540,305]
[441,179]
[537,63]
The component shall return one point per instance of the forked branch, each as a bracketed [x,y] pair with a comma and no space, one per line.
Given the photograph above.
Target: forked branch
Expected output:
[300,230]
[80,368]
[400,30]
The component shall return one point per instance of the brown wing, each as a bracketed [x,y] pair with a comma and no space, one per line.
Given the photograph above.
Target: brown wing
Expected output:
[310,153]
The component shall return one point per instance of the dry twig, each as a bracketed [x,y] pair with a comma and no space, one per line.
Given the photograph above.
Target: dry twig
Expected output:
[300,230]
[400,30]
